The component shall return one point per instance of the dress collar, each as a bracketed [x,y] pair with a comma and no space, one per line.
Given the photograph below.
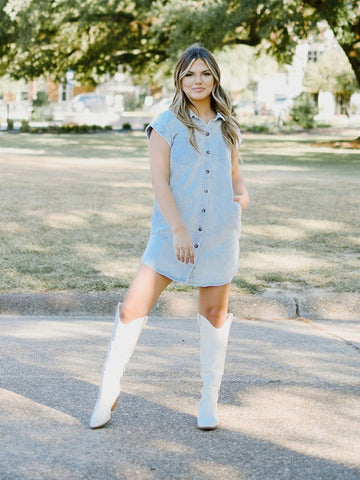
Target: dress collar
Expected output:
[218,115]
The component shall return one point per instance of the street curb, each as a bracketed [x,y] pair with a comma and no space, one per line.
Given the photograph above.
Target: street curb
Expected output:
[272,304]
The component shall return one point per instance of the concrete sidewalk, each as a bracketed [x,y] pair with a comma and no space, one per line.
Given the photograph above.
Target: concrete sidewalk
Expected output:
[289,402]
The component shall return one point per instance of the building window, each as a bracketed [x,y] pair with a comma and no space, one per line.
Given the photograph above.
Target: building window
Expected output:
[313,55]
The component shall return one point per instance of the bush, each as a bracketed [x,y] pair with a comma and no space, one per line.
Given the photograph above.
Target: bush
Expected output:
[304,110]
[259,128]
[64,128]
[24,126]
[41,100]
[127,126]
[10,124]
[84,129]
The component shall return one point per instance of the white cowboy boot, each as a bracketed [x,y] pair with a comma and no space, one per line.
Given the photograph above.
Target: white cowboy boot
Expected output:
[122,344]
[213,345]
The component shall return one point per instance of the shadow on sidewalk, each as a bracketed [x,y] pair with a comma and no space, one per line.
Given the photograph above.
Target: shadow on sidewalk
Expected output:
[272,405]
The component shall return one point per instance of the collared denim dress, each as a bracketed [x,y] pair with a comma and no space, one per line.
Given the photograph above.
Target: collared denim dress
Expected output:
[201,184]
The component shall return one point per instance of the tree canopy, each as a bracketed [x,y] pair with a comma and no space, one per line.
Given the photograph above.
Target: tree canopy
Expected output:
[93,37]
[330,73]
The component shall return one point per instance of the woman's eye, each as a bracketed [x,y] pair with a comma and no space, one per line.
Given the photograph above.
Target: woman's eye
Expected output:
[188,74]
[207,74]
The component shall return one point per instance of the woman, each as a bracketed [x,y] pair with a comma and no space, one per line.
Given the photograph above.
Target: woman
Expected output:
[199,196]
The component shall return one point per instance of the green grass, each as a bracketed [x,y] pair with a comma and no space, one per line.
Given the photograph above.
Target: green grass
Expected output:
[75,213]
[302,226]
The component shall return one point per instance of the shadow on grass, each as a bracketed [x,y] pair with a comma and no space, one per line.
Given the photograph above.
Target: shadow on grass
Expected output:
[76,213]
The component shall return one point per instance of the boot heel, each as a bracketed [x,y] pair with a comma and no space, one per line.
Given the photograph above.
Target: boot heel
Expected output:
[115,403]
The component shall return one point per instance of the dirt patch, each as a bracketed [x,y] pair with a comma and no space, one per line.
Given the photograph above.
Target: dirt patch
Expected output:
[352,144]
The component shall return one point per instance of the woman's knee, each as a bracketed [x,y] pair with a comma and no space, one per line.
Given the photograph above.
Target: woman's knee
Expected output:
[215,314]
[130,312]
[144,290]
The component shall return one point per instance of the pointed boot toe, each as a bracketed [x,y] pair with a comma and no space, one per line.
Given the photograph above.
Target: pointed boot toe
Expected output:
[208,412]
[101,416]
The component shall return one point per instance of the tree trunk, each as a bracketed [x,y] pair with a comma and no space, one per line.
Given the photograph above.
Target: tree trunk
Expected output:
[352,51]
[353,54]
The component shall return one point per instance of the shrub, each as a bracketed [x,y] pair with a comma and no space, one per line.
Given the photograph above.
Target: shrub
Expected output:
[126,126]
[259,128]
[64,128]
[10,124]
[41,99]
[304,110]
[24,126]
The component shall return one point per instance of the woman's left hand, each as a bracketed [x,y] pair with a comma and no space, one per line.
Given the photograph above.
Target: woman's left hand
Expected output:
[242,200]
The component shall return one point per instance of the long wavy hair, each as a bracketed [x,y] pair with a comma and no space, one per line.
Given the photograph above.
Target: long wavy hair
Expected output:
[220,101]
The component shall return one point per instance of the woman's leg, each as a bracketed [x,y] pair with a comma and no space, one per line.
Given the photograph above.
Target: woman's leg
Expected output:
[214,324]
[143,292]
[213,304]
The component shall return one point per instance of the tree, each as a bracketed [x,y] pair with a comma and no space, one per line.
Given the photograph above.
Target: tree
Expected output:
[332,72]
[275,25]
[91,37]
[304,110]
[95,36]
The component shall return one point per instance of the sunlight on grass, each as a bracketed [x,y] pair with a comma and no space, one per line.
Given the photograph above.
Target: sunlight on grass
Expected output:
[21,151]
[280,232]
[318,225]
[13,228]
[355,241]
[58,220]
[282,261]
[277,168]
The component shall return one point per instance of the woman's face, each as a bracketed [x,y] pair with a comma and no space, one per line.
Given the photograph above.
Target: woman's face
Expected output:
[198,82]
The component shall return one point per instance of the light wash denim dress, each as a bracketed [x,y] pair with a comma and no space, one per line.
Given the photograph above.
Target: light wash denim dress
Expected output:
[201,184]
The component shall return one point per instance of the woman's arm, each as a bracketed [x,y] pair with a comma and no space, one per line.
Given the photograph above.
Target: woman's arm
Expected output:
[159,154]
[241,194]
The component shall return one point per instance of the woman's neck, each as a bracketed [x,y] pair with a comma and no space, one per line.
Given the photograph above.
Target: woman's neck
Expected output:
[203,110]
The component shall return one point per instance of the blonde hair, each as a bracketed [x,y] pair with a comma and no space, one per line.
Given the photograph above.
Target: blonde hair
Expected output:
[220,101]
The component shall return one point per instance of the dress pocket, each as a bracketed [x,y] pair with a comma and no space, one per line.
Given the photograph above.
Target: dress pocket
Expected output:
[237,214]
[237,208]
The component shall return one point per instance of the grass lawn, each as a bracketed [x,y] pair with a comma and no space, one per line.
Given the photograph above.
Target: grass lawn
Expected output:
[76,209]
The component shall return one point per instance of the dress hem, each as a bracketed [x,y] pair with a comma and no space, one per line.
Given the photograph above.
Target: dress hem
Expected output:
[201,284]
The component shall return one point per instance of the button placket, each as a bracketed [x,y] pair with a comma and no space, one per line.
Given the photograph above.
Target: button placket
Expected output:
[206,174]
[204,197]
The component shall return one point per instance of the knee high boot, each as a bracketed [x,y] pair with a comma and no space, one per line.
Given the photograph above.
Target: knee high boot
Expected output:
[122,344]
[213,345]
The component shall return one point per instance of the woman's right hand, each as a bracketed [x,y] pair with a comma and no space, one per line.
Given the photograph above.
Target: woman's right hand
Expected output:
[184,249]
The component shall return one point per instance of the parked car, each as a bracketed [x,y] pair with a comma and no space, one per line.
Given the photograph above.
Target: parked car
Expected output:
[90,102]
[160,106]
[245,108]
[281,106]
[251,107]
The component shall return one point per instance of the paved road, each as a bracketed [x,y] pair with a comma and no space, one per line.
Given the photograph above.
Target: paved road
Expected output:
[289,402]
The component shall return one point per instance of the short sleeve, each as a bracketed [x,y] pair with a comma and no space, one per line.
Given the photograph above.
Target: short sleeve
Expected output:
[163,125]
